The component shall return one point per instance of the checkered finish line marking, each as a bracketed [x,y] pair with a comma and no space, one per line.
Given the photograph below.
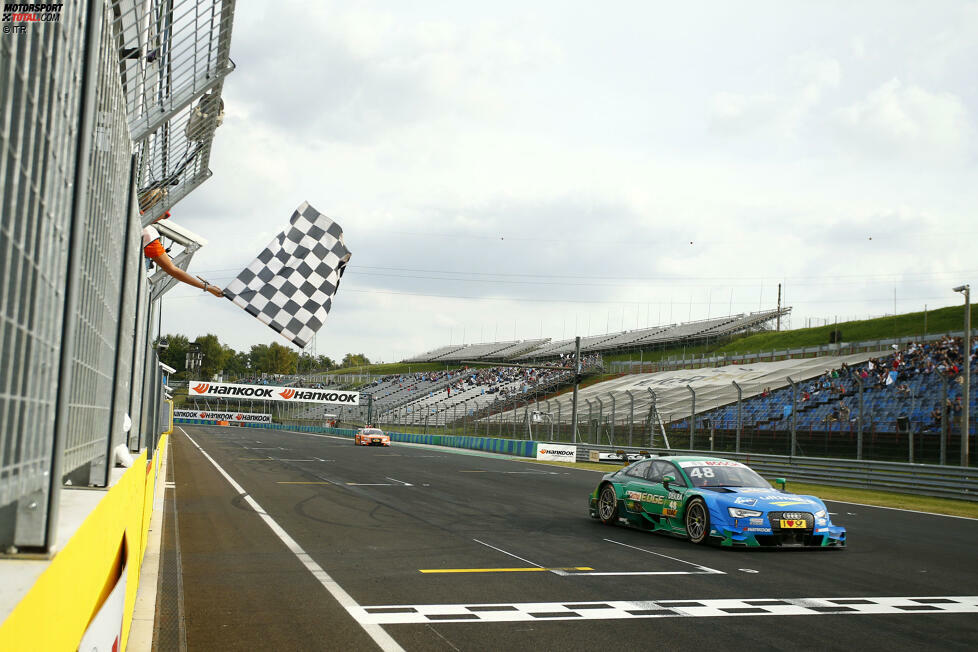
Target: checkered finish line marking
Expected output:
[528,611]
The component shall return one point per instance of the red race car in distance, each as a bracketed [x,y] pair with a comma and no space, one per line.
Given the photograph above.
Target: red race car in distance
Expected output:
[371,437]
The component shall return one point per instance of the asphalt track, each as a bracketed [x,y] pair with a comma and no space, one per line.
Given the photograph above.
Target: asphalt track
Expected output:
[322,545]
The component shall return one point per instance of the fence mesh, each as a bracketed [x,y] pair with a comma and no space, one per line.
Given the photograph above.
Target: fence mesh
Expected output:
[39,98]
[103,227]
[97,112]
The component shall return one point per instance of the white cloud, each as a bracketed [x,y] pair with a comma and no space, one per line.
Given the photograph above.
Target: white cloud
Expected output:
[778,115]
[907,120]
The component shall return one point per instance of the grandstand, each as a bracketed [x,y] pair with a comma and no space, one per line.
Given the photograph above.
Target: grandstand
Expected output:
[471,396]
[657,336]
[434,354]
[476,351]
[713,387]
[515,350]
[912,400]
[908,397]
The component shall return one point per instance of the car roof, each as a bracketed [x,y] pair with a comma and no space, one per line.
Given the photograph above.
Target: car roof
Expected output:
[683,458]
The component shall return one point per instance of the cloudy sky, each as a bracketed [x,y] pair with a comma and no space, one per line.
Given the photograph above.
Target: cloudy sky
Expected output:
[526,169]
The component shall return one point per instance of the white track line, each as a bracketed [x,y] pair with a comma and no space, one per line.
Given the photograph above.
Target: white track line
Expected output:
[374,630]
[900,509]
[659,554]
[507,553]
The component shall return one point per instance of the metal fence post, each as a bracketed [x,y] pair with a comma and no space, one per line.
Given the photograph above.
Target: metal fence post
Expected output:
[513,412]
[945,415]
[577,375]
[692,417]
[859,420]
[600,423]
[913,398]
[46,534]
[590,417]
[740,421]
[612,418]
[631,414]
[794,412]
[558,413]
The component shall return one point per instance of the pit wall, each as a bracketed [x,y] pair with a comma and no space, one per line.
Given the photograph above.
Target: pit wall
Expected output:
[81,575]
[518,447]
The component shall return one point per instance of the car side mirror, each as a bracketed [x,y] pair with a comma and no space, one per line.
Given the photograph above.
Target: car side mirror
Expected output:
[782,482]
[667,479]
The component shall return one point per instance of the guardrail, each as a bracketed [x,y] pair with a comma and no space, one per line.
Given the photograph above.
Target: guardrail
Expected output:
[956,482]
[518,447]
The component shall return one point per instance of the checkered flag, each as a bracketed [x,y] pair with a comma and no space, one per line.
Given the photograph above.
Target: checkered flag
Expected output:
[290,285]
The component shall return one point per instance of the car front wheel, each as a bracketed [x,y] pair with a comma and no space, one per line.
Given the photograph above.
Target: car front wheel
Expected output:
[607,505]
[697,520]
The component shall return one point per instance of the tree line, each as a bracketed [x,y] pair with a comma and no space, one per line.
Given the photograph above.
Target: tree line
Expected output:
[271,358]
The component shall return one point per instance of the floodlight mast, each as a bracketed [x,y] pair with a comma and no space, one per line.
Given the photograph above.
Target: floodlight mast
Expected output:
[966,402]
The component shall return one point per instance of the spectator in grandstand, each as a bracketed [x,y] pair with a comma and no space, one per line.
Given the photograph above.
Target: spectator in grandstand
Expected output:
[153,250]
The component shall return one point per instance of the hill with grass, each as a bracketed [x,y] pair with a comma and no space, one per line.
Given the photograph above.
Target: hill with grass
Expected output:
[909,325]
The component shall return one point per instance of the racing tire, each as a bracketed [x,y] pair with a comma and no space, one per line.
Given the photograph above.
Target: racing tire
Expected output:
[697,521]
[608,505]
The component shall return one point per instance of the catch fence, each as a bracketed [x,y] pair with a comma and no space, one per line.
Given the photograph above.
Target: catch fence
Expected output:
[90,125]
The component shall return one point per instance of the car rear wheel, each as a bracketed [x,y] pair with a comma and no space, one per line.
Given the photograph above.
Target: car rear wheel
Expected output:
[697,520]
[607,505]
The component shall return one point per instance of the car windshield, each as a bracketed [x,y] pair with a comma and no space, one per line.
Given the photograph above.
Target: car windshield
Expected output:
[373,431]
[725,476]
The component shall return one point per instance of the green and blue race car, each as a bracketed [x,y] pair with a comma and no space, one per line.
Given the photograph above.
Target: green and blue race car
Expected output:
[712,499]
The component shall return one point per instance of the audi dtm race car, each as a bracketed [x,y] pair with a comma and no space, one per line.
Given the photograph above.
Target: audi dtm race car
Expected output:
[712,499]
[371,437]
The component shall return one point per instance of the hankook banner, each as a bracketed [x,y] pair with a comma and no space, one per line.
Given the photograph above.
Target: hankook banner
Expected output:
[271,393]
[557,452]
[236,417]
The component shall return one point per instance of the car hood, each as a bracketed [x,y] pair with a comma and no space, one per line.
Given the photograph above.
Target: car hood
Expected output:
[764,499]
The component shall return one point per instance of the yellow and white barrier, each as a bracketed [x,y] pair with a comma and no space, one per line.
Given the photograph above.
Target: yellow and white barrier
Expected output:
[58,610]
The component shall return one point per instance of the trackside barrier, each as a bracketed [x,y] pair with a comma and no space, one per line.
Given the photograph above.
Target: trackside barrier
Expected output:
[519,447]
[106,549]
[957,482]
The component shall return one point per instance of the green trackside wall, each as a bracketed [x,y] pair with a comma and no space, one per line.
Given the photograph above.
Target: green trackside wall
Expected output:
[518,447]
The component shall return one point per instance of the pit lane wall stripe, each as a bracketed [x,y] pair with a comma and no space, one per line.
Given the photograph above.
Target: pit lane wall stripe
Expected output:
[81,575]
[517,447]
[710,608]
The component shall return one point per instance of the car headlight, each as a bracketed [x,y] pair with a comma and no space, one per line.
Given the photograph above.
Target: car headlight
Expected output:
[820,513]
[737,512]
